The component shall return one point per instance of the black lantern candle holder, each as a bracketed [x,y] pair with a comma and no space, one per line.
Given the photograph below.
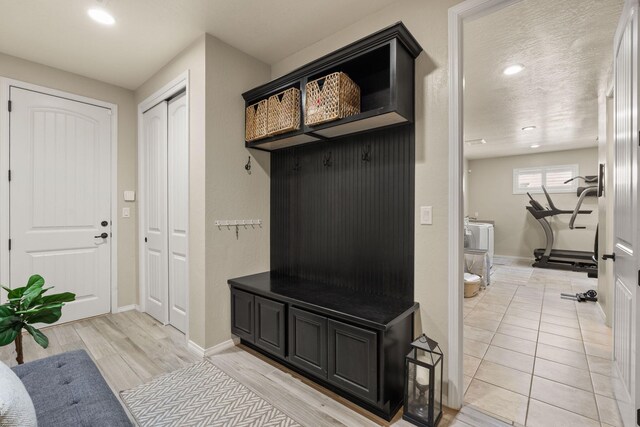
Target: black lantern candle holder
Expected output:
[423,383]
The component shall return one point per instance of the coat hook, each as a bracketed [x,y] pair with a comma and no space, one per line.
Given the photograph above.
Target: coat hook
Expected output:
[366,153]
[326,161]
[296,163]
[247,167]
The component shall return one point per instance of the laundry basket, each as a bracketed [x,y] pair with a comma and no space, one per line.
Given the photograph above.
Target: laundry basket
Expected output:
[472,284]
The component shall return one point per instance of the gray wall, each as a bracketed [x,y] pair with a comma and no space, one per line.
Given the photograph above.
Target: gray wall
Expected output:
[517,233]
[219,186]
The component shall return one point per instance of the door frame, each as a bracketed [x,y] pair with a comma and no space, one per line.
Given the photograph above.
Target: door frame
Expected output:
[178,84]
[5,84]
[465,11]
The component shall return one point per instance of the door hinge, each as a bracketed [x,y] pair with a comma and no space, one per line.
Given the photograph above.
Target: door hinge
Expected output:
[9,175]
[9,244]
[9,105]
[638,417]
[145,240]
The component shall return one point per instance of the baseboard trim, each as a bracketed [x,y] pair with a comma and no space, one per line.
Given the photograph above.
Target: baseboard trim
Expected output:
[225,345]
[201,352]
[195,348]
[128,308]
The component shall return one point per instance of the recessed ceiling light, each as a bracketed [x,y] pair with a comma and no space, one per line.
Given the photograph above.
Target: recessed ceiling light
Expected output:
[535,146]
[528,128]
[513,69]
[101,16]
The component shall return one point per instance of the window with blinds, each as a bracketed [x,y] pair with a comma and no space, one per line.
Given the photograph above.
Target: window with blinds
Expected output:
[531,180]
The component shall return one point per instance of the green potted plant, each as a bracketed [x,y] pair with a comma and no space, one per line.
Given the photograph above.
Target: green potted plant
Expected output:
[27,306]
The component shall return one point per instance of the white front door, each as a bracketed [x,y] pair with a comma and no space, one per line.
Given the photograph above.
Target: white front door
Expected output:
[156,250]
[626,210]
[60,161]
[178,204]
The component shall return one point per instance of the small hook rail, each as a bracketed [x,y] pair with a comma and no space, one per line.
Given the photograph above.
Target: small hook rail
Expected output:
[237,223]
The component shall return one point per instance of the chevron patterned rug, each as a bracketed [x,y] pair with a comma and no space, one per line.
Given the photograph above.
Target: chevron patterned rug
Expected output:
[200,395]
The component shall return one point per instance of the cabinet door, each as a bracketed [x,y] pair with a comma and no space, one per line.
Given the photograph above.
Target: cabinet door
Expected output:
[353,360]
[308,341]
[242,312]
[270,319]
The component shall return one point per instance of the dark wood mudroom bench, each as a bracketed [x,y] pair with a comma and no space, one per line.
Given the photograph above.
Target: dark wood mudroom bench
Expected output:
[371,311]
[338,304]
[350,342]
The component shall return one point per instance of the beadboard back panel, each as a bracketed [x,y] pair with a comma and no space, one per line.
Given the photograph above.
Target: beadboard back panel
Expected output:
[342,212]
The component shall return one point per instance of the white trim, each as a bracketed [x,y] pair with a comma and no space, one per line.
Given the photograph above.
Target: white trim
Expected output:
[219,348]
[5,84]
[129,307]
[195,348]
[4,185]
[181,82]
[465,11]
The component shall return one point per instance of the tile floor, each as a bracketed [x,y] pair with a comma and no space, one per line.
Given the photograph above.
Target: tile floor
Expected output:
[534,359]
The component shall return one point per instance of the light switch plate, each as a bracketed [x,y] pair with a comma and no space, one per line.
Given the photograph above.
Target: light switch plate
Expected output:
[129,196]
[126,212]
[426,215]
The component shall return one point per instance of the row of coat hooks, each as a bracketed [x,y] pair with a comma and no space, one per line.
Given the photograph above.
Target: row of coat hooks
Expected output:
[237,223]
[327,160]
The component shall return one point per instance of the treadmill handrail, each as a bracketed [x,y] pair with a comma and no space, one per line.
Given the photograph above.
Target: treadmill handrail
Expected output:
[555,210]
[576,211]
[546,194]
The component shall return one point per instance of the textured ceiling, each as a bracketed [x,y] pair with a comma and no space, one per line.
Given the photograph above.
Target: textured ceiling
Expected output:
[148,33]
[566,48]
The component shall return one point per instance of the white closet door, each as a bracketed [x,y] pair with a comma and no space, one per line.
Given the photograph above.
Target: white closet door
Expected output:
[60,196]
[155,211]
[178,211]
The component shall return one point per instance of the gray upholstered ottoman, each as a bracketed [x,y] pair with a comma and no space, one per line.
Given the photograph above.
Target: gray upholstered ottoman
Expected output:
[68,390]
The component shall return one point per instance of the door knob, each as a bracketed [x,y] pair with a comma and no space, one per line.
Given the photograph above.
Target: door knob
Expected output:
[612,257]
[103,236]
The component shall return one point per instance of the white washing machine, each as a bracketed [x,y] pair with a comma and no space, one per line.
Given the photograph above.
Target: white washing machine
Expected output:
[482,238]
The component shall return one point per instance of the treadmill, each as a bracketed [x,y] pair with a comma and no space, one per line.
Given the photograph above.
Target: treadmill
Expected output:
[561,259]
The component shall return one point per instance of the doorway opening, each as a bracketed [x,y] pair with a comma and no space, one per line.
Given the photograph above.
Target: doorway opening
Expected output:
[528,90]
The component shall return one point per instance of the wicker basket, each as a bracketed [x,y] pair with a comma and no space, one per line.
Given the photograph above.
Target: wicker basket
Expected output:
[338,97]
[284,112]
[256,121]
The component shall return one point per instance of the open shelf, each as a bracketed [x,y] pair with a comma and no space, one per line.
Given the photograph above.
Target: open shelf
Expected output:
[382,65]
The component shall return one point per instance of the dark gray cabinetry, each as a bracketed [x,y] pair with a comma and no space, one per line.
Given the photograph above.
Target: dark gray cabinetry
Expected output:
[382,65]
[353,359]
[270,326]
[356,350]
[242,314]
[308,341]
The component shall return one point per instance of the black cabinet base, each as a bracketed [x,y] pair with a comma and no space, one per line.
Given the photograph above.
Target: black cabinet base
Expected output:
[384,414]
